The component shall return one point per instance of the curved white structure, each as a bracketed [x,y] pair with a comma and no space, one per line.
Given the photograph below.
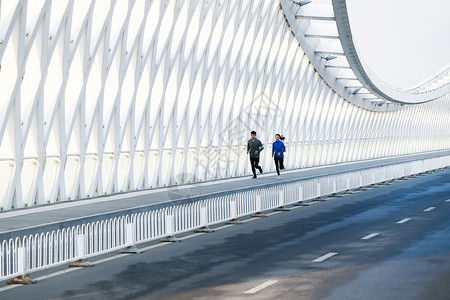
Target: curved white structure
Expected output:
[323,29]
[100,97]
[372,82]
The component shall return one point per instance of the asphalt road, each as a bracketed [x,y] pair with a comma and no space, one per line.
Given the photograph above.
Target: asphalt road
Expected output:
[391,242]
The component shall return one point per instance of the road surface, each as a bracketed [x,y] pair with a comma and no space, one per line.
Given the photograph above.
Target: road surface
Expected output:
[391,242]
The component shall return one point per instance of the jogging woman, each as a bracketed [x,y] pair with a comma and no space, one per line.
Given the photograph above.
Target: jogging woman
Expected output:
[278,150]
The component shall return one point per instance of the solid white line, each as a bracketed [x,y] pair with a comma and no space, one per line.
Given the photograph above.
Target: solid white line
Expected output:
[273,213]
[8,287]
[223,227]
[368,237]
[260,287]
[429,208]
[324,257]
[249,220]
[403,220]
[56,274]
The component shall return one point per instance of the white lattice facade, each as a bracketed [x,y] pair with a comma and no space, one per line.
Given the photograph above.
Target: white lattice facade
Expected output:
[99,97]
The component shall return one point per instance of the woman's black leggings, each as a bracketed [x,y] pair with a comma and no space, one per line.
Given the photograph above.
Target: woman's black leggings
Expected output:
[279,164]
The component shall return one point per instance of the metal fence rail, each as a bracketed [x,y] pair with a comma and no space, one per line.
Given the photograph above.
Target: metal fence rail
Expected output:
[36,252]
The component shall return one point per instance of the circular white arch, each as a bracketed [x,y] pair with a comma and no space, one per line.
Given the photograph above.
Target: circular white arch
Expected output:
[323,30]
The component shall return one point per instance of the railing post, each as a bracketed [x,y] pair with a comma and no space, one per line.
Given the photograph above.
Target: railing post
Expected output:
[80,246]
[23,278]
[384,181]
[300,202]
[421,168]
[233,213]
[80,252]
[300,194]
[169,223]
[130,239]
[412,175]
[348,190]
[233,209]
[318,188]
[258,207]
[361,188]
[318,191]
[335,194]
[281,202]
[372,184]
[204,220]
[403,177]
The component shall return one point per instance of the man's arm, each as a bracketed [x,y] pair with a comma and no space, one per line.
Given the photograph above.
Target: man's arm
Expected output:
[261,146]
[248,146]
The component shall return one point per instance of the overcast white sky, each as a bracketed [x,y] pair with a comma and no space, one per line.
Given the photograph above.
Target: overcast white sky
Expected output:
[403,41]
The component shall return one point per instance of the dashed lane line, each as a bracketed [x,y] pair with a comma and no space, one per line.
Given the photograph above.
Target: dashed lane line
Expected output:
[369,236]
[403,220]
[325,257]
[429,208]
[261,287]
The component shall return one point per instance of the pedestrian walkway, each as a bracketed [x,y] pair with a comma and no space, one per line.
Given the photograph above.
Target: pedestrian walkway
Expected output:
[39,219]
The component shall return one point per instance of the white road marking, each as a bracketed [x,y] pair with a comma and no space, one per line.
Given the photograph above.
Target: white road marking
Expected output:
[273,213]
[448,200]
[368,237]
[56,273]
[429,208]
[324,257]
[223,227]
[8,287]
[260,287]
[249,220]
[403,220]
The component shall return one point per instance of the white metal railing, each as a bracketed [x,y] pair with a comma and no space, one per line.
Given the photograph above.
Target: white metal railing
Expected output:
[40,251]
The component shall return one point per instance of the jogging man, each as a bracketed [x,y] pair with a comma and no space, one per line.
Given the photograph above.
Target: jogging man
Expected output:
[254,148]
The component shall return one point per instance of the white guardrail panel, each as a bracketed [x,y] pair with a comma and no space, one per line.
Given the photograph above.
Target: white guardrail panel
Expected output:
[354,179]
[36,252]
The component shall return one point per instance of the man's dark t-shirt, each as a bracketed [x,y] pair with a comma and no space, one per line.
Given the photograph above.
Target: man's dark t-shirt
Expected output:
[253,146]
